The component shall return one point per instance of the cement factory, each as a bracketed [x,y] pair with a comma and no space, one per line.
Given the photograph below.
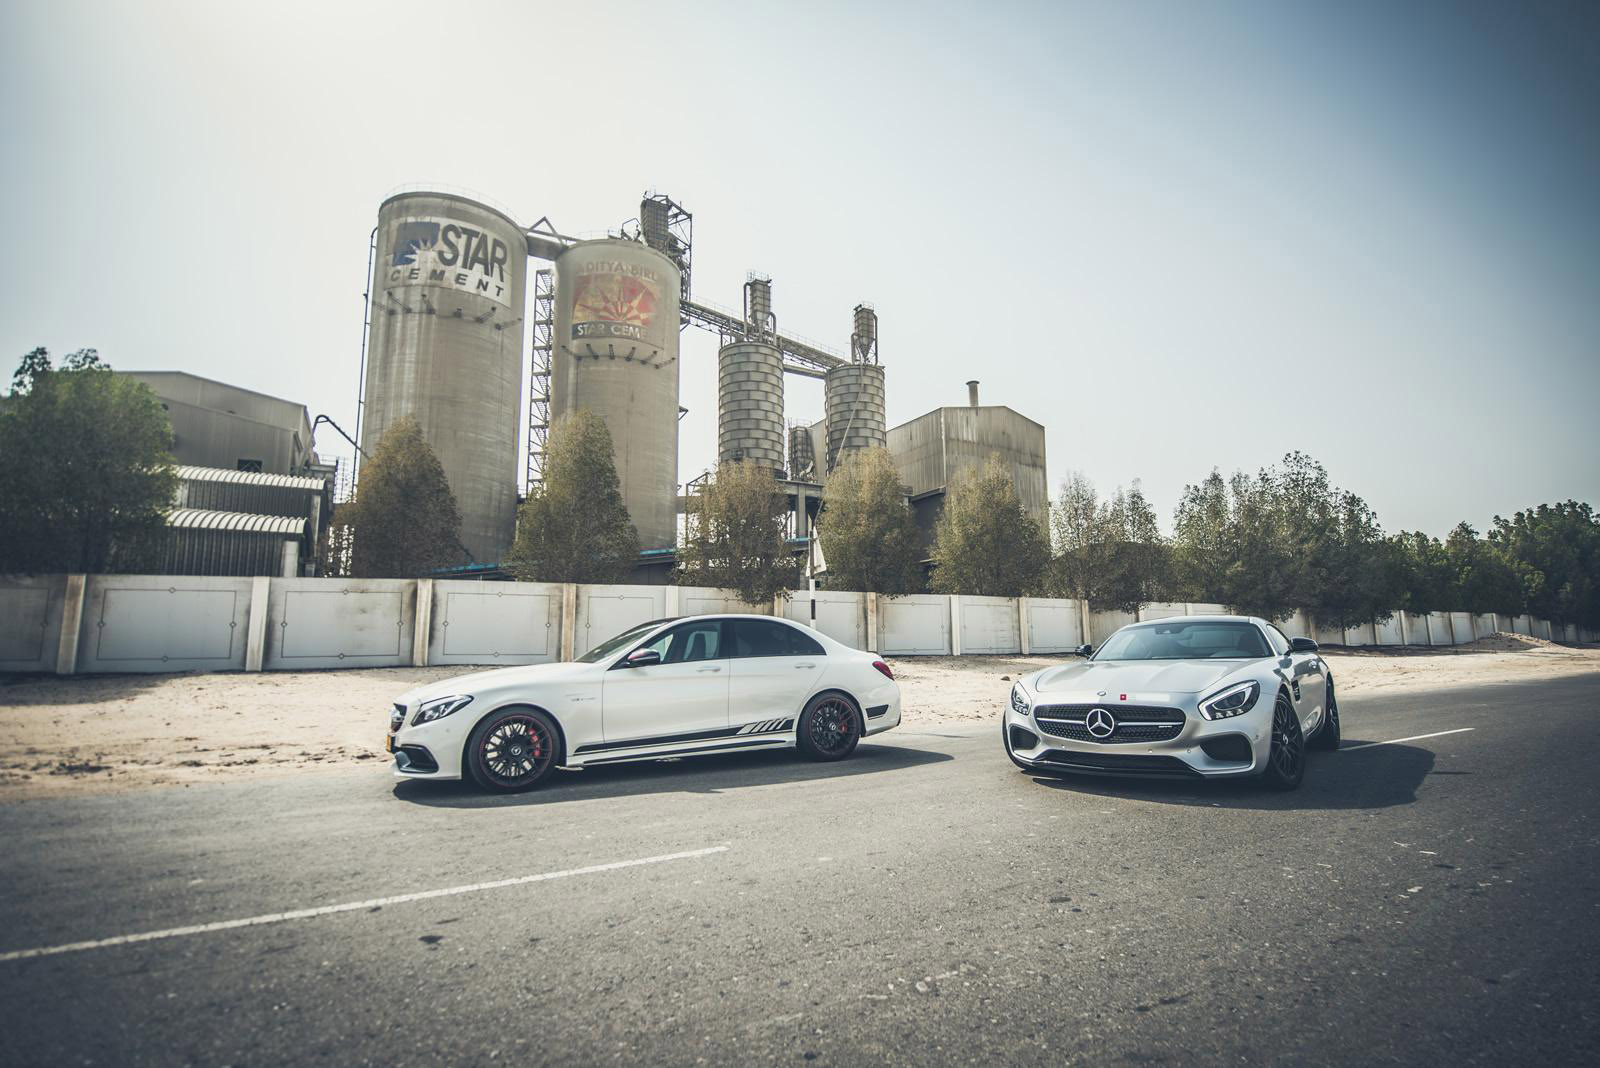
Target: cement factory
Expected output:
[448,309]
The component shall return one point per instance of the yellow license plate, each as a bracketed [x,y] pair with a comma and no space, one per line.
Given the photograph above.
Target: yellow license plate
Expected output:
[388,744]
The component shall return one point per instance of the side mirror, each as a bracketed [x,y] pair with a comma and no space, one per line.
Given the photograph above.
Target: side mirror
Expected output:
[1302,645]
[641,658]
[1085,649]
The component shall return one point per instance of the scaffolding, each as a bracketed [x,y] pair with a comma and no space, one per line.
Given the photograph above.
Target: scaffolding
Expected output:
[539,357]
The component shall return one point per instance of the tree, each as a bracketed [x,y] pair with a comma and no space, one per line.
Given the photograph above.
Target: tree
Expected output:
[1486,580]
[984,542]
[403,521]
[1555,548]
[871,532]
[1112,552]
[1426,575]
[88,476]
[574,527]
[735,536]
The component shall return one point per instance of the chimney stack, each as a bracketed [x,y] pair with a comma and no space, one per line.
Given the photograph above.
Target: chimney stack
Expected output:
[972,392]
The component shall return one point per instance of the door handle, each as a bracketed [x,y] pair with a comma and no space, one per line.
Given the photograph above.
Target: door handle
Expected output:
[704,670]
[802,667]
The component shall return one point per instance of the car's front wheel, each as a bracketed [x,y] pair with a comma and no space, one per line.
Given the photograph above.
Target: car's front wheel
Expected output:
[512,750]
[1286,760]
[1327,736]
[830,727]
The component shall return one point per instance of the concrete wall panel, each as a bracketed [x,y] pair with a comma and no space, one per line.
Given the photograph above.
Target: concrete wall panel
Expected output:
[990,625]
[151,623]
[1160,610]
[30,622]
[915,625]
[703,601]
[494,623]
[1366,634]
[606,611]
[329,623]
[1054,625]
[841,615]
[1103,625]
[1388,632]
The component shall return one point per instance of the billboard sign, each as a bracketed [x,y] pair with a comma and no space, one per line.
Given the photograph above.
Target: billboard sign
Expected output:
[616,301]
[449,254]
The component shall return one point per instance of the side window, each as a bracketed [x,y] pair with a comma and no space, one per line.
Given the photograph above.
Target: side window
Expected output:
[763,637]
[1280,644]
[690,642]
[803,644]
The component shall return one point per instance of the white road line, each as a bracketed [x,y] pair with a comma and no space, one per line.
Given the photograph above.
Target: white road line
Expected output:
[1413,738]
[352,906]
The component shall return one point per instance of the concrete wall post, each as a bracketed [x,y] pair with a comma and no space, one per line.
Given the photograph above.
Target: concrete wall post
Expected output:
[1022,626]
[255,641]
[569,618]
[670,602]
[1085,638]
[71,625]
[1404,638]
[422,623]
[955,624]
[871,601]
[291,558]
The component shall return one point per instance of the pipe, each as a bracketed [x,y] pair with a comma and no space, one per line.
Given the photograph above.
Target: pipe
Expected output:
[972,392]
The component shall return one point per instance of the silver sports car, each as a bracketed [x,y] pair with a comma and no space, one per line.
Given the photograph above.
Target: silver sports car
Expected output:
[1211,696]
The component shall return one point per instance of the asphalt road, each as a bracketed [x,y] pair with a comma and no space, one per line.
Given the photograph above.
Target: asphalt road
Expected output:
[1435,901]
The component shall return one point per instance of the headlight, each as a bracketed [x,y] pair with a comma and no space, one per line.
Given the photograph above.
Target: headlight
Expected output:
[1234,701]
[1019,700]
[439,708]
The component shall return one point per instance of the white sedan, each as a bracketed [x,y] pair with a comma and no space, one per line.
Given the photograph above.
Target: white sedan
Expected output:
[668,688]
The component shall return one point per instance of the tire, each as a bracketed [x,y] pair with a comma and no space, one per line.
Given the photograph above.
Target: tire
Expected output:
[512,750]
[830,727]
[1327,736]
[1286,759]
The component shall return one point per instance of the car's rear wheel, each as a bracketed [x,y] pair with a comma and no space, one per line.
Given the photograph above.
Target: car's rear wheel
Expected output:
[512,750]
[830,727]
[1327,736]
[1286,760]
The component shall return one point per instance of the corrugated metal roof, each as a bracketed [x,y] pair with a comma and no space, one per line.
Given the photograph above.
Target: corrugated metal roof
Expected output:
[199,519]
[252,478]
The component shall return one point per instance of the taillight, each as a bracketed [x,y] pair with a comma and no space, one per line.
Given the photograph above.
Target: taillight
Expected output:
[884,668]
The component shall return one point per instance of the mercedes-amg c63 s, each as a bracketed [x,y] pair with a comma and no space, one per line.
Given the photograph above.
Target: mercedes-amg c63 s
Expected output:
[1211,696]
[672,687]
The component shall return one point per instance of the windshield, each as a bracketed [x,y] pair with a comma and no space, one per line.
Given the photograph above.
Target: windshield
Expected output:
[1182,640]
[627,637]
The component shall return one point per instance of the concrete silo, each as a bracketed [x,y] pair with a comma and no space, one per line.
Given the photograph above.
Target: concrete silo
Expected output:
[445,345]
[750,404]
[853,393]
[616,354]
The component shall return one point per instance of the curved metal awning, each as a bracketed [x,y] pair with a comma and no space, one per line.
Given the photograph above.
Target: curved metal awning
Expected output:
[249,478]
[200,519]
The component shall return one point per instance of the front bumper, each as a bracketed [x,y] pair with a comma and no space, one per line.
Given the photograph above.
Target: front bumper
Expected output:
[431,751]
[1198,747]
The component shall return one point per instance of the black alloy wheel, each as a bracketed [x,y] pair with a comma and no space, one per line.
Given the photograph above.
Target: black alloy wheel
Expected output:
[1286,761]
[830,727]
[512,750]
[1327,736]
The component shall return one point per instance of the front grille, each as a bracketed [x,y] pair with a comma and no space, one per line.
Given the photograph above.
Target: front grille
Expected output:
[1118,762]
[1135,723]
[397,718]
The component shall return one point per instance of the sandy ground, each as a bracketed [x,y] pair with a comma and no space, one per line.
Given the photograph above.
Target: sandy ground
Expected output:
[110,732]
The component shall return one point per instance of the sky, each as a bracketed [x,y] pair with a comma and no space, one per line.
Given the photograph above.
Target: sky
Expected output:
[1184,235]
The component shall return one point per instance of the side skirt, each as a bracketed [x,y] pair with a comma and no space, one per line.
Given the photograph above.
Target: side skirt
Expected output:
[722,747]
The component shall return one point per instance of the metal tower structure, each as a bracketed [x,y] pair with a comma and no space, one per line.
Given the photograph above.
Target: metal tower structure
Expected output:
[541,352]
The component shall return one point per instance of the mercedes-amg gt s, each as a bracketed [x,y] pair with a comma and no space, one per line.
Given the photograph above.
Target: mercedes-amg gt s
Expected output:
[1208,696]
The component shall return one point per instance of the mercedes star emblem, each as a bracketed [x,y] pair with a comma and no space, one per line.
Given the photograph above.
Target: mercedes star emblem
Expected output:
[1100,723]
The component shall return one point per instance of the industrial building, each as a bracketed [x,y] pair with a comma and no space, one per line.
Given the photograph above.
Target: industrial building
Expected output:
[933,449]
[218,425]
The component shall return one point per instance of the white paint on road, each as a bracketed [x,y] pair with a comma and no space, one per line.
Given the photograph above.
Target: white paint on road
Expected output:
[1397,741]
[354,906]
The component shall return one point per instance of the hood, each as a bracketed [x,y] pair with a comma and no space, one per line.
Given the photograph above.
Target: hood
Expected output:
[480,682]
[1127,676]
